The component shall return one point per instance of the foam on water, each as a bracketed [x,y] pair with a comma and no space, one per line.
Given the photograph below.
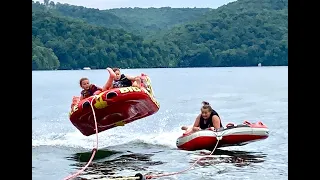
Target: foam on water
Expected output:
[160,135]
[77,140]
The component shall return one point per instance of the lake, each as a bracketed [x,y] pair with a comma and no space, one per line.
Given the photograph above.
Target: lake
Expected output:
[148,145]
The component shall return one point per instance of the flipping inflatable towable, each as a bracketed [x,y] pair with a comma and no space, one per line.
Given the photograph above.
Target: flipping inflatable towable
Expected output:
[114,107]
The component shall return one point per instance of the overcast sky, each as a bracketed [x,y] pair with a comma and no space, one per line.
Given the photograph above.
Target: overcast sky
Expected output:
[108,4]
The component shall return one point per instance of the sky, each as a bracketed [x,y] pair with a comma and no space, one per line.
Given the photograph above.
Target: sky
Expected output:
[109,4]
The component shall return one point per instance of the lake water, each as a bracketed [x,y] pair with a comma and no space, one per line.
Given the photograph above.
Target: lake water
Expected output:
[148,145]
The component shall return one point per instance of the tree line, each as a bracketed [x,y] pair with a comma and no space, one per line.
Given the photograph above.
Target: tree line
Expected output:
[241,33]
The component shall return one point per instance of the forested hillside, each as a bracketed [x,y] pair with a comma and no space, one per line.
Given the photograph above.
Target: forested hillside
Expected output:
[141,21]
[75,44]
[242,33]
[151,21]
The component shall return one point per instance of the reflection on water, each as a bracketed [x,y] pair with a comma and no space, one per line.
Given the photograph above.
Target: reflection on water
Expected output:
[238,158]
[108,162]
[100,154]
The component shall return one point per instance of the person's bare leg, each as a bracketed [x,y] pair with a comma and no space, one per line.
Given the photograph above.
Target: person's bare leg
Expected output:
[137,82]
[108,84]
[134,84]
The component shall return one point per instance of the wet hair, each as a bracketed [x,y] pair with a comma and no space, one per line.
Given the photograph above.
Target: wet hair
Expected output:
[206,105]
[82,79]
[115,69]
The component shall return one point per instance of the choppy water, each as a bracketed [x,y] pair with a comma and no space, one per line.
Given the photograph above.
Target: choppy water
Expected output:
[148,145]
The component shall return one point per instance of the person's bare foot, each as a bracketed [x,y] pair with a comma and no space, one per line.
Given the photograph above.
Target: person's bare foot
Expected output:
[75,99]
[112,74]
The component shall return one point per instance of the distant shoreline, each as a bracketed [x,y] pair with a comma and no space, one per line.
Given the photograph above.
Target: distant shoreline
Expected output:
[166,68]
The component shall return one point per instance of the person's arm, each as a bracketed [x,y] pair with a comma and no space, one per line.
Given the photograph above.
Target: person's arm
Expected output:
[216,122]
[196,124]
[95,88]
[81,95]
